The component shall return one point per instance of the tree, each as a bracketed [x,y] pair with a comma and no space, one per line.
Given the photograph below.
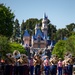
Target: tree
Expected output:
[4,46]
[59,49]
[70,28]
[6,21]
[61,33]
[65,46]
[16,30]
[70,44]
[7,47]
[30,23]
[51,31]
[23,28]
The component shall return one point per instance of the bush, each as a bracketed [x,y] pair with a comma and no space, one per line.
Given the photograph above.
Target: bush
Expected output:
[4,46]
[70,44]
[59,49]
[17,46]
[65,46]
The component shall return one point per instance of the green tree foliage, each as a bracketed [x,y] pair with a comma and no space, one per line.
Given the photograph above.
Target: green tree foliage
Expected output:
[16,30]
[23,28]
[65,46]
[51,31]
[59,49]
[17,46]
[6,21]
[30,23]
[4,46]
[68,31]
[61,33]
[70,28]
[70,45]
[7,47]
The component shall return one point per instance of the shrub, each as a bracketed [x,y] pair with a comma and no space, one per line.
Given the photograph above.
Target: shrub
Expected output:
[65,46]
[4,46]
[59,49]
[17,46]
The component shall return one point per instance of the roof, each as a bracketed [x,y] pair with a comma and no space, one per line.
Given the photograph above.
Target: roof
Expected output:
[26,33]
[39,33]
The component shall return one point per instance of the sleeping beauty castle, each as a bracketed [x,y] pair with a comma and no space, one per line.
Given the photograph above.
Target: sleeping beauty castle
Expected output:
[40,38]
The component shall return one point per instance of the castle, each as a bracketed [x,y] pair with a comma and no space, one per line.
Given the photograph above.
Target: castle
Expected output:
[40,39]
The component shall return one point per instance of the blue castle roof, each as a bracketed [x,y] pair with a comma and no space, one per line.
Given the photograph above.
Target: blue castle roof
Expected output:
[39,33]
[26,33]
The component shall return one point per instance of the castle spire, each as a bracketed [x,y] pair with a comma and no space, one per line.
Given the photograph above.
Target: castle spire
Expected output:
[44,24]
[44,16]
[36,27]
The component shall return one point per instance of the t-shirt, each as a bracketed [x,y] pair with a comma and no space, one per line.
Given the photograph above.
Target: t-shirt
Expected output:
[59,63]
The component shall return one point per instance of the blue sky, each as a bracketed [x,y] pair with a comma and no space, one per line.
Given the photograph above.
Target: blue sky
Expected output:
[59,12]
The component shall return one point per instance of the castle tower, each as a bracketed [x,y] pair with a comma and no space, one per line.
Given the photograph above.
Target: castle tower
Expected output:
[26,38]
[36,27]
[44,27]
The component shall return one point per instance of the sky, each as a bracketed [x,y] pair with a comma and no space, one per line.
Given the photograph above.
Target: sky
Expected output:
[59,12]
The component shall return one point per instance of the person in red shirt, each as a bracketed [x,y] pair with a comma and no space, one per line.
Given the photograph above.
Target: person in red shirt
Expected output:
[59,67]
[46,65]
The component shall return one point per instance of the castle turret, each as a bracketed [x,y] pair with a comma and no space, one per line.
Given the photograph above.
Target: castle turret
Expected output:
[26,38]
[36,27]
[44,27]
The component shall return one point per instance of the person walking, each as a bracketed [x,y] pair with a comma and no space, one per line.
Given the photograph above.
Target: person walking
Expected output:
[53,67]
[31,66]
[37,64]
[70,66]
[65,67]
[47,66]
[59,65]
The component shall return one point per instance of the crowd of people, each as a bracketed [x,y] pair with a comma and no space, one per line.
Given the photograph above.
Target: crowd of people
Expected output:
[19,64]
